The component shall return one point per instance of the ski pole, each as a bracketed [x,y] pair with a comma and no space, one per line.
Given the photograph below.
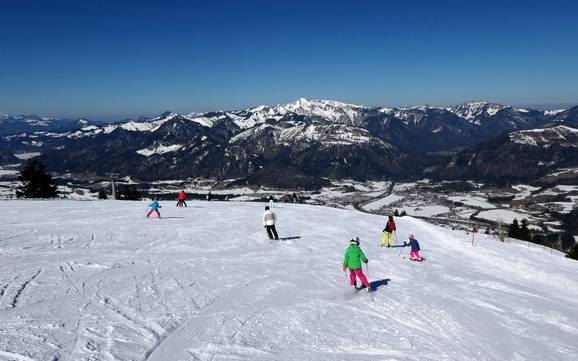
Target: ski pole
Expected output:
[401,250]
[367,269]
[396,239]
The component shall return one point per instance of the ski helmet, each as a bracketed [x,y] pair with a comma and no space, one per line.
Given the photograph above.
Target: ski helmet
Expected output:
[410,236]
[354,240]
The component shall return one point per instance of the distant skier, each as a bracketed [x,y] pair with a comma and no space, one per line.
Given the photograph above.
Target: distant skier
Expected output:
[182,199]
[294,198]
[208,198]
[414,252]
[271,200]
[154,207]
[388,232]
[269,219]
[354,256]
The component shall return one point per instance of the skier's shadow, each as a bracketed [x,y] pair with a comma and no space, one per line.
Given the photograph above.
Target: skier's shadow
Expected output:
[398,246]
[289,238]
[174,217]
[375,285]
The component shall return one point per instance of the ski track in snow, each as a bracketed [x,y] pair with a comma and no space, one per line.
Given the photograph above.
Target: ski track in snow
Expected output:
[99,281]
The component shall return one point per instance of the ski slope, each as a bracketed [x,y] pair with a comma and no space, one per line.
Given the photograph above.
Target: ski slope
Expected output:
[83,280]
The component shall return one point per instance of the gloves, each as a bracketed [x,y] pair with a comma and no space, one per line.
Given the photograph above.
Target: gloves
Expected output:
[404,244]
[344,268]
[366,261]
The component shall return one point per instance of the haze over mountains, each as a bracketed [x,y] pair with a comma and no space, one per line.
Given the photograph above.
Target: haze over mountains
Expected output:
[303,143]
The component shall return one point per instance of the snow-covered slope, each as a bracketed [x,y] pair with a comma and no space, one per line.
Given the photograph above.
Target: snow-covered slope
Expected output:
[98,281]
[545,137]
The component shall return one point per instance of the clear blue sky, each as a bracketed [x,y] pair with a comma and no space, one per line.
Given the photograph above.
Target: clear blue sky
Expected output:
[115,59]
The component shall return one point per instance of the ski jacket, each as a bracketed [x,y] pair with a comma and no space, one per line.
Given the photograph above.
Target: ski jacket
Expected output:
[389,227]
[353,257]
[414,244]
[182,196]
[269,218]
[154,205]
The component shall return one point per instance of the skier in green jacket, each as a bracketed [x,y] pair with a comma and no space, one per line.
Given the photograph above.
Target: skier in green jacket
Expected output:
[353,258]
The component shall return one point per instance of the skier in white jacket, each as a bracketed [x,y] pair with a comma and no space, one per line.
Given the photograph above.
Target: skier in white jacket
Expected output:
[269,219]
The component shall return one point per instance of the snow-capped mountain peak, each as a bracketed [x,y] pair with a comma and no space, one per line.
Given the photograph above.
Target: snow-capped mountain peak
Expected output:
[168,115]
[329,110]
[475,110]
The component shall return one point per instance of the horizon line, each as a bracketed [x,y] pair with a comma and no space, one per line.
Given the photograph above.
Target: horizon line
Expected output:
[119,117]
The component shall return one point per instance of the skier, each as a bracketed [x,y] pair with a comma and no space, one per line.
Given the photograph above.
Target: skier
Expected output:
[294,197]
[182,198]
[352,260]
[414,252]
[269,219]
[271,200]
[208,198]
[154,207]
[388,232]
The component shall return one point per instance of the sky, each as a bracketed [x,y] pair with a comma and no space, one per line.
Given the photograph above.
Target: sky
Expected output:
[117,59]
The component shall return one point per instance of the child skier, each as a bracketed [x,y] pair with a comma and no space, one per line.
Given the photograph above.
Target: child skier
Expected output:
[353,258]
[414,252]
[388,232]
[269,219]
[154,207]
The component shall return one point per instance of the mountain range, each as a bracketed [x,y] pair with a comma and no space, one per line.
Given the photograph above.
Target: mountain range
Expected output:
[305,143]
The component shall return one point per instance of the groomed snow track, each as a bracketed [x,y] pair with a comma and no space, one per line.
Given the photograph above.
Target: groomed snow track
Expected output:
[99,281]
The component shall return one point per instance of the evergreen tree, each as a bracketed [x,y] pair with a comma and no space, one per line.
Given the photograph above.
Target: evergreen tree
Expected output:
[501,232]
[35,181]
[129,194]
[525,231]
[573,253]
[102,194]
[539,239]
[514,230]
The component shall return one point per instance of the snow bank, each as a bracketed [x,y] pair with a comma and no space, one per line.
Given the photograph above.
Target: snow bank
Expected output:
[25,156]
[503,215]
[425,211]
[98,281]
[160,149]
[477,202]
[380,203]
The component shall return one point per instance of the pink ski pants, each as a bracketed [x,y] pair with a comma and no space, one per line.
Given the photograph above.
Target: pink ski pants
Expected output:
[359,273]
[151,211]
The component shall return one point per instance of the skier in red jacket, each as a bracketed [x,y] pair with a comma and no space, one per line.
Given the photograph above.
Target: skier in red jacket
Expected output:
[388,232]
[182,198]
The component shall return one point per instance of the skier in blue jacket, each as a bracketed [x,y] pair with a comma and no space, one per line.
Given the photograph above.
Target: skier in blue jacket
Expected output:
[154,207]
[414,252]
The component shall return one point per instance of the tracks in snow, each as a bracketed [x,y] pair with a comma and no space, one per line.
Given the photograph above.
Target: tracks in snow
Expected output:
[11,293]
